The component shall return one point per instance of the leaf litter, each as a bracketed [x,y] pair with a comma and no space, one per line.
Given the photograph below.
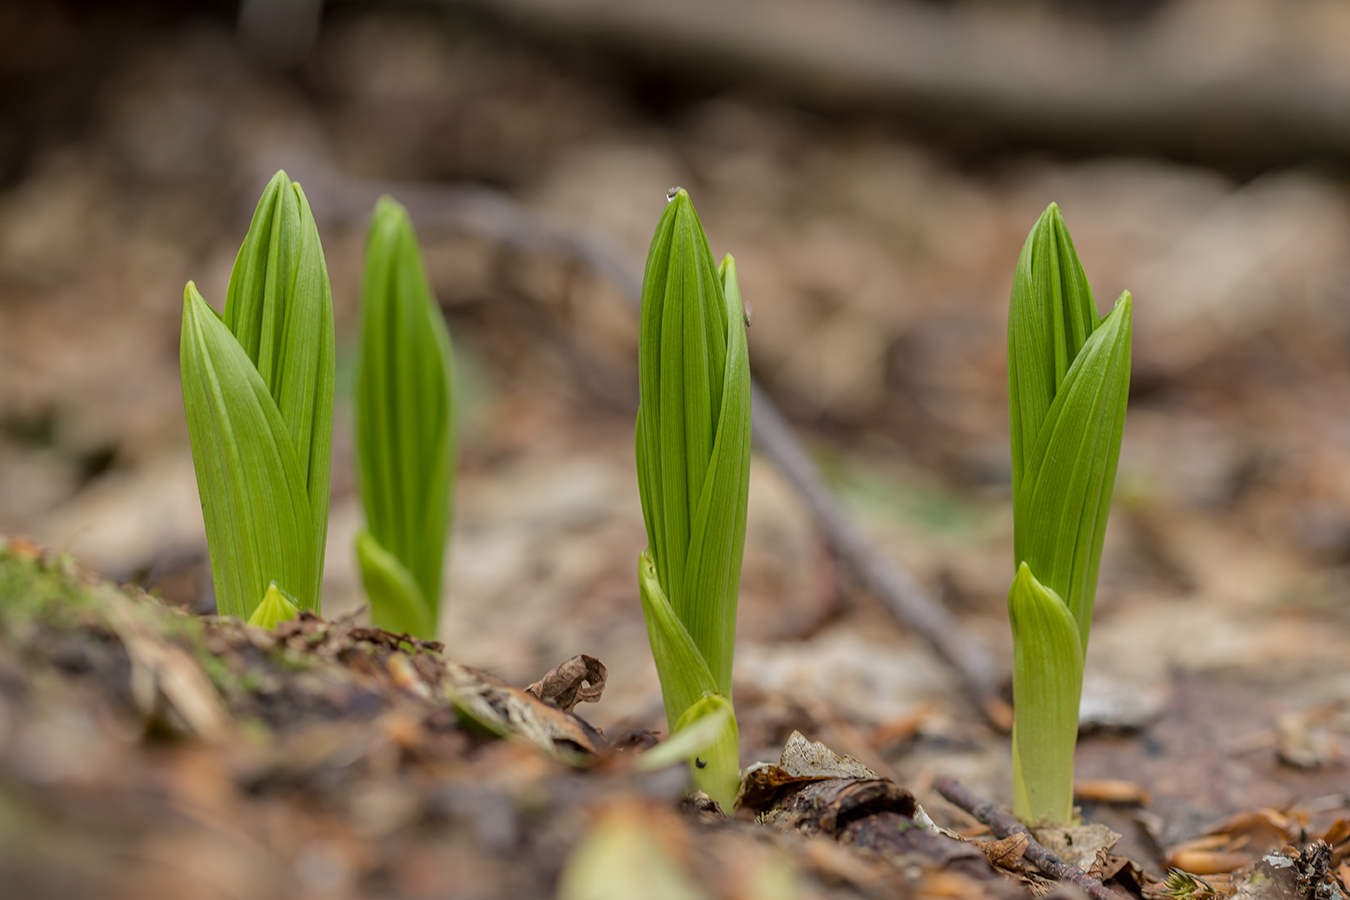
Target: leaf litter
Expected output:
[331,758]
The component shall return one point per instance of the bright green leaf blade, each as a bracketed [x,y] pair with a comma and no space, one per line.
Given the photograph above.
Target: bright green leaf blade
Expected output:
[717,536]
[684,674]
[1061,507]
[717,769]
[280,309]
[277,606]
[404,405]
[1047,684]
[1051,316]
[258,523]
[396,603]
[681,363]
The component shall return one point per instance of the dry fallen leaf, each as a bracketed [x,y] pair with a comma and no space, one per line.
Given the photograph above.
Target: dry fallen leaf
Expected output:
[1084,846]
[1207,862]
[811,759]
[579,680]
[1107,790]
[513,713]
[1006,853]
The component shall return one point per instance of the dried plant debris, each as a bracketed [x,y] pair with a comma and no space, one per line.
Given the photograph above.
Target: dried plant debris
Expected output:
[1085,846]
[1113,791]
[511,712]
[140,747]
[151,754]
[1314,738]
[579,680]
[802,761]
[1237,841]
[1006,853]
[1314,871]
[1180,885]
[816,793]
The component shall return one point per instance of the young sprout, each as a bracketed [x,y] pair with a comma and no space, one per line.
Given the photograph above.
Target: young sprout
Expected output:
[258,394]
[277,607]
[1068,381]
[405,439]
[693,464]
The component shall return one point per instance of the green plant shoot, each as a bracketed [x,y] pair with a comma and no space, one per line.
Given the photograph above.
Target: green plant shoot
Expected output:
[258,395]
[277,607]
[1068,382]
[693,464]
[405,438]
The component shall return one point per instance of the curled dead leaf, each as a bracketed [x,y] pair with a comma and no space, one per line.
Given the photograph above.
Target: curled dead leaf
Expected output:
[580,679]
[827,806]
[513,713]
[1006,853]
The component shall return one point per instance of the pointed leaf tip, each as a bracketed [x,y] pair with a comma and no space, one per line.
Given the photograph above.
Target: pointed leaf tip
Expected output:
[277,607]
[279,307]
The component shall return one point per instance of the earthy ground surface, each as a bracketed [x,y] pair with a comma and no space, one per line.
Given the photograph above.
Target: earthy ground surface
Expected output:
[878,263]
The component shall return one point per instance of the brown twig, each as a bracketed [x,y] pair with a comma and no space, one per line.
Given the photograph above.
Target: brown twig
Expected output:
[495,215]
[1003,825]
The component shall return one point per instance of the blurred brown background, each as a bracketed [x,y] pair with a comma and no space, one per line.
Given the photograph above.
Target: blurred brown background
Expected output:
[874,165]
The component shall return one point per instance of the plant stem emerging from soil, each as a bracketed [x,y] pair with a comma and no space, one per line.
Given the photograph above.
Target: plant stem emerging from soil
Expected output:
[1004,824]
[495,215]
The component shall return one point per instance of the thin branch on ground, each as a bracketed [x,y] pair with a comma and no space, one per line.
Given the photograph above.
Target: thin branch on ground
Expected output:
[1004,824]
[492,214]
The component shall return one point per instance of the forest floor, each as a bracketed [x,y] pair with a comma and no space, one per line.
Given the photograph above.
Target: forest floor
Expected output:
[879,268]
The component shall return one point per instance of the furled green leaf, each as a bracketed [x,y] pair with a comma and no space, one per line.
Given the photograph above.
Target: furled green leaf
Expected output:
[277,607]
[1061,506]
[259,524]
[1068,385]
[685,676]
[1050,318]
[693,431]
[396,603]
[690,691]
[1047,683]
[404,414]
[716,770]
[280,309]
